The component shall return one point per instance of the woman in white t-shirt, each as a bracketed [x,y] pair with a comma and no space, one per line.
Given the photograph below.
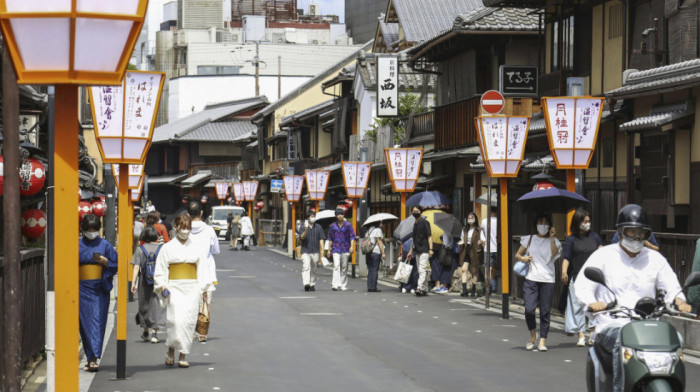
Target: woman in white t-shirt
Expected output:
[540,251]
[374,259]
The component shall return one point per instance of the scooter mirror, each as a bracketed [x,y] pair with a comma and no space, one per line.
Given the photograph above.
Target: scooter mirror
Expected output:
[595,274]
[693,279]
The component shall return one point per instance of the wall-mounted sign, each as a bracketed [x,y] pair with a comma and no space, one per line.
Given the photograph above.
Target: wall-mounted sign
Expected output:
[276,186]
[518,80]
[387,86]
[356,178]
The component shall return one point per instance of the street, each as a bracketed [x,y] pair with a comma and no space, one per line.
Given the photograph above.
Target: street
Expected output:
[268,334]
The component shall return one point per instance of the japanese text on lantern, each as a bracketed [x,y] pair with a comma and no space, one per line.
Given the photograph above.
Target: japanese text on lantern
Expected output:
[139,105]
[317,183]
[238,192]
[292,187]
[108,109]
[250,190]
[387,86]
[221,190]
[404,167]
[572,126]
[356,177]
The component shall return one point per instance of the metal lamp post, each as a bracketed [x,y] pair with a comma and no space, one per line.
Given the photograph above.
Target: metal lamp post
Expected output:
[572,130]
[293,186]
[80,43]
[502,143]
[355,178]
[124,117]
[404,166]
[317,185]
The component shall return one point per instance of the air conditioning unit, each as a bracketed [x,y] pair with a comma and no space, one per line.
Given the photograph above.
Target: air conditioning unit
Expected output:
[235,38]
[278,38]
[181,38]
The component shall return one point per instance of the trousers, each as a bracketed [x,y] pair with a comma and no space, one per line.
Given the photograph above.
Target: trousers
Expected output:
[340,270]
[534,292]
[308,268]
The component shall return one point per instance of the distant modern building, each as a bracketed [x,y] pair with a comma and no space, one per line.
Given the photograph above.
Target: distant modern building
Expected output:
[361,18]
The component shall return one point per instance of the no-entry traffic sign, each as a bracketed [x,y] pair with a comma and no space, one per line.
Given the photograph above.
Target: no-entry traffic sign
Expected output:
[492,102]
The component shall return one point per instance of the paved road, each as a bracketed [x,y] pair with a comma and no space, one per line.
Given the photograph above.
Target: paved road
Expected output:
[267,334]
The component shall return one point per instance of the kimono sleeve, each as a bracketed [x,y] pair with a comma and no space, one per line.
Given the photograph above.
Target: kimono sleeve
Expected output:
[161,275]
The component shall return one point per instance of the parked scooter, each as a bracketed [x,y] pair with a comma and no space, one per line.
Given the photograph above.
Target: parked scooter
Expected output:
[651,350]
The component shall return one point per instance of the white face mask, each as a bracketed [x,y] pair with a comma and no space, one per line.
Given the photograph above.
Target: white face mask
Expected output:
[585,226]
[91,235]
[312,220]
[631,245]
[183,234]
[543,229]
[471,221]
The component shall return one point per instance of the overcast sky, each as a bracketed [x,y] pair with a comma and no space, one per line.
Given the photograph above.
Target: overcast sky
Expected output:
[334,7]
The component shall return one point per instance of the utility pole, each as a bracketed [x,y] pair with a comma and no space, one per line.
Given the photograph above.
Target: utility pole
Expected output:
[279,77]
[257,68]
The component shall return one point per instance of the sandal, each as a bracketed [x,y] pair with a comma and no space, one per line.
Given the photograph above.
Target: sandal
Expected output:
[93,367]
[183,364]
[169,361]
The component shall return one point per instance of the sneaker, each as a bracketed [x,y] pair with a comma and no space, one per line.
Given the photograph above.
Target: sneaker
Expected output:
[541,347]
[307,287]
[155,340]
[413,291]
[145,336]
[443,290]
[343,289]
[335,288]
[403,291]
[529,345]
[435,289]
[591,340]
[581,342]
[312,288]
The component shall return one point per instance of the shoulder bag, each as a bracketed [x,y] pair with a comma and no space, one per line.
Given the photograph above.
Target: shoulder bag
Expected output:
[520,267]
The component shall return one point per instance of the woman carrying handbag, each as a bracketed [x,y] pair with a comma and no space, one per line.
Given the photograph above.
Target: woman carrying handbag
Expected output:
[471,251]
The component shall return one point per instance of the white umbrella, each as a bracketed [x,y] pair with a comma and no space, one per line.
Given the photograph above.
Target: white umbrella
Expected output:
[378,218]
[325,214]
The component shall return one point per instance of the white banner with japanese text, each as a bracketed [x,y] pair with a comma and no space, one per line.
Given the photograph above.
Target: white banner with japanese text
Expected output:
[317,183]
[387,86]
[356,178]
[403,165]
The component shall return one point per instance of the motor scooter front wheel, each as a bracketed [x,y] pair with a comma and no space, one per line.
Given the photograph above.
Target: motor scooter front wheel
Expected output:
[658,385]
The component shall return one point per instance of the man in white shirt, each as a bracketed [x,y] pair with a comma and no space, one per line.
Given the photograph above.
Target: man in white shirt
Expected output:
[491,257]
[631,272]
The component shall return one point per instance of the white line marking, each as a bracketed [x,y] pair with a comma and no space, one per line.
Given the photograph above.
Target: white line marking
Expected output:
[504,325]
[206,354]
[225,270]
[420,311]
[567,360]
[492,102]
[211,368]
[297,297]
[405,306]
[465,309]
[435,317]
[240,276]
[478,331]
[320,314]
[505,340]
[454,323]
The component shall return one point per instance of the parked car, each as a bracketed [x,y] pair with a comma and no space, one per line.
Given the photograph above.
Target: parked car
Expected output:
[218,218]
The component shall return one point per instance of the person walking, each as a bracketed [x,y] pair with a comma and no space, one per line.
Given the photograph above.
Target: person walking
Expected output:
[204,237]
[138,229]
[246,231]
[577,248]
[491,258]
[540,251]
[312,238]
[153,219]
[412,284]
[234,228]
[151,314]
[98,265]
[423,249]
[342,243]
[374,258]
[182,280]
[472,241]
[150,207]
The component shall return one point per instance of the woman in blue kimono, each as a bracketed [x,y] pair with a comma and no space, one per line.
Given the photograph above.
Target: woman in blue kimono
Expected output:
[98,265]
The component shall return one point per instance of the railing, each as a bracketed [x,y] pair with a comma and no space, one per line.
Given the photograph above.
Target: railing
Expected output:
[272,231]
[33,304]
[226,170]
[423,125]
[454,124]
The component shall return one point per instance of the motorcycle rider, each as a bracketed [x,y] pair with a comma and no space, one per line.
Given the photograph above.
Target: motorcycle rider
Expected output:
[632,271]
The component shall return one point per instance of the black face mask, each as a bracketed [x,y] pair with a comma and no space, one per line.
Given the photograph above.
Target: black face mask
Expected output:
[416,215]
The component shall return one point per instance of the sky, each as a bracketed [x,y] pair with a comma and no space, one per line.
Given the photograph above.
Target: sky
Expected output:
[334,7]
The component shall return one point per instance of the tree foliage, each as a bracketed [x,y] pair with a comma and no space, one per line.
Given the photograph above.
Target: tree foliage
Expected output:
[407,102]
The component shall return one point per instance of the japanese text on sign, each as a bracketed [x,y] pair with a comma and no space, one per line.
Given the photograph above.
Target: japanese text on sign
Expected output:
[250,190]
[238,192]
[572,126]
[292,187]
[135,175]
[221,190]
[404,167]
[356,177]
[387,86]
[317,183]
[502,141]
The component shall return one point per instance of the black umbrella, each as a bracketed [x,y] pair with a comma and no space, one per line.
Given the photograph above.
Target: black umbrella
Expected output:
[552,200]
[448,223]
[405,229]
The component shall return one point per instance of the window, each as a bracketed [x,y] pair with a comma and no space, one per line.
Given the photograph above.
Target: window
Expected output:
[567,46]
[218,69]
[279,150]
[615,21]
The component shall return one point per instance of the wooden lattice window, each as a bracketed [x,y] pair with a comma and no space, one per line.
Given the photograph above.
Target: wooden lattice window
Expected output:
[654,166]
[615,21]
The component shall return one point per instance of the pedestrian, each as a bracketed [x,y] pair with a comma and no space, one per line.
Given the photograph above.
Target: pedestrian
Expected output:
[246,231]
[138,228]
[151,314]
[443,263]
[342,243]
[204,237]
[577,248]
[412,284]
[422,248]
[98,265]
[312,238]
[694,292]
[150,207]
[540,251]
[471,253]
[235,229]
[375,257]
[181,279]
[153,219]
[491,257]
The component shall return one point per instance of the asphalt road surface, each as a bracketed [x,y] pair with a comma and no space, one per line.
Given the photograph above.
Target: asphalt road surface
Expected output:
[268,334]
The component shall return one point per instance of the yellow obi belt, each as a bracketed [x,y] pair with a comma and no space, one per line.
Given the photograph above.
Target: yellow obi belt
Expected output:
[183,271]
[90,271]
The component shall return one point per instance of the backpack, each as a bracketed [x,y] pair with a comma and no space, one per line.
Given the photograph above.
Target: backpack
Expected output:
[150,267]
[366,244]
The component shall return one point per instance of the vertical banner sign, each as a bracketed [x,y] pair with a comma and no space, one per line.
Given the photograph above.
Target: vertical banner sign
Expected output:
[135,175]
[356,177]
[387,86]
[124,116]
[238,194]
[317,183]
[221,190]
[250,190]
[292,187]
[502,143]
[404,167]
[572,129]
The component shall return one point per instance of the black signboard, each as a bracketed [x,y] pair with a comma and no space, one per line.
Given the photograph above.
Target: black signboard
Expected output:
[518,80]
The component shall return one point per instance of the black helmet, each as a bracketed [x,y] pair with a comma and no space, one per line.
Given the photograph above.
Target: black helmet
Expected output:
[632,215]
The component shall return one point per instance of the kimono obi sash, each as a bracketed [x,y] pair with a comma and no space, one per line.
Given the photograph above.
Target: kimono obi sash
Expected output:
[183,271]
[90,271]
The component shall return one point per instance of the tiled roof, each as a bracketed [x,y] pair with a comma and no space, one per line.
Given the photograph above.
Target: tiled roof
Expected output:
[498,19]
[661,115]
[224,131]
[300,115]
[202,175]
[408,78]
[175,129]
[530,164]
[638,83]
[390,31]
[422,20]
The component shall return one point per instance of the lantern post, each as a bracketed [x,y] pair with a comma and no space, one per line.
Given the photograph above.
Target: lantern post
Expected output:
[62,43]
[572,131]
[317,185]
[293,186]
[136,182]
[355,178]
[238,195]
[221,190]
[250,191]
[404,166]
[124,118]
[502,143]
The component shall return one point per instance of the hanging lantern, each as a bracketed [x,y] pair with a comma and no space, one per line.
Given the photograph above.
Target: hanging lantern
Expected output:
[260,205]
[31,177]
[98,208]
[33,223]
[204,199]
[84,208]
[542,185]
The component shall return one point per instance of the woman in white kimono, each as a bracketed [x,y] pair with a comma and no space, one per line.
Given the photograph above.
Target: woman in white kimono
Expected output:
[182,283]
[246,231]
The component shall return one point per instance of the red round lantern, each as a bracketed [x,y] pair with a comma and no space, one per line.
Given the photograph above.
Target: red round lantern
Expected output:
[84,208]
[98,208]
[33,223]
[32,176]
[542,185]
[260,205]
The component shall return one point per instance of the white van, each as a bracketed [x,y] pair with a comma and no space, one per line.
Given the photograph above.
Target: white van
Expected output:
[218,218]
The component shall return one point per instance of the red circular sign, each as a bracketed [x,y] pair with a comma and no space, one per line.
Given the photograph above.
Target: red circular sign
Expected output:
[492,102]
